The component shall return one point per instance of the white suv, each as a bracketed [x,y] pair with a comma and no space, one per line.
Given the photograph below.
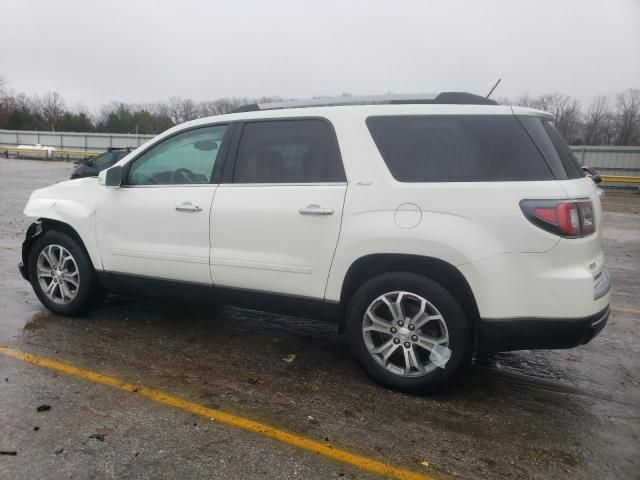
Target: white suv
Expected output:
[428,228]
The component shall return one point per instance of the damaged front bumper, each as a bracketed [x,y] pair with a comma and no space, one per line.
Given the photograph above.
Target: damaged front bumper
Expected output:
[33,232]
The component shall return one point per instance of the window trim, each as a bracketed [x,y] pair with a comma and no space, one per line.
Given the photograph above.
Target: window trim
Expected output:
[232,154]
[216,171]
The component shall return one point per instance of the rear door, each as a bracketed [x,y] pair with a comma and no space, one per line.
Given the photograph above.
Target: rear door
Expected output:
[277,214]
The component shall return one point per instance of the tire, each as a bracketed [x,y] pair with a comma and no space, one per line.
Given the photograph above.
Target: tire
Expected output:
[70,301]
[452,326]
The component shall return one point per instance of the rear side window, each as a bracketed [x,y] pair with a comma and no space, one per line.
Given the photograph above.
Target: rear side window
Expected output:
[288,151]
[457,148]
[558,154]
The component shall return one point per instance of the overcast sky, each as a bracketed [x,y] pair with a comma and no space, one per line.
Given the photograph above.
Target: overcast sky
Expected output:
[93,52]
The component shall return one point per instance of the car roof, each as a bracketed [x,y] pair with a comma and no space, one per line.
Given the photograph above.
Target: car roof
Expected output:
[367,111]
[333,108]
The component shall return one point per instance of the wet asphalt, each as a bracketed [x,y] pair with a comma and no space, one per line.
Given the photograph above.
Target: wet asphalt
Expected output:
[529,414]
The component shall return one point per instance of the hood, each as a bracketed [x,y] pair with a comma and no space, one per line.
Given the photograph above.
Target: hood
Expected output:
[79,196]
[66,188]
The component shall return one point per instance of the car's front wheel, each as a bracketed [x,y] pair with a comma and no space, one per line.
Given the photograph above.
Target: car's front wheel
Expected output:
[407,331]
[62,276]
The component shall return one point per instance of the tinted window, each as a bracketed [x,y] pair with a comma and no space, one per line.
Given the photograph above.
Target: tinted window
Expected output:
[457,148]
[185,158]
[288,151]
[558,154]
[105,160]
[569,160]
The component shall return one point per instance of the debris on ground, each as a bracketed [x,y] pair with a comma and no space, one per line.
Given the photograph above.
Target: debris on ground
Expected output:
[43,408]
[35,429]
[287,398]
[8,452]
[59,451]
[424,463]
[289,358]
[97,436]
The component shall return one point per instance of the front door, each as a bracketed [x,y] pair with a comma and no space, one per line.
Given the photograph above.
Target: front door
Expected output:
[157,223]
[276,219]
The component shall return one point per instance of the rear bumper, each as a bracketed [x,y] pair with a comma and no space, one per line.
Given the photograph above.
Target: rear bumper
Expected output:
[501,335]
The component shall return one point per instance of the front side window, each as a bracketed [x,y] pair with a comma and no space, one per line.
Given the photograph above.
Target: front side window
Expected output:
[288,151]
[457,148]
[185,158]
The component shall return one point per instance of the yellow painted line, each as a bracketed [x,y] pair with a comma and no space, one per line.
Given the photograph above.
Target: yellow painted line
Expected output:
[359,461]
[625,310]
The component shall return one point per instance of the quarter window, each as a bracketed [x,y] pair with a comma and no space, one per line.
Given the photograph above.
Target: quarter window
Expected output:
[288,151]
[457,148]
[185,158]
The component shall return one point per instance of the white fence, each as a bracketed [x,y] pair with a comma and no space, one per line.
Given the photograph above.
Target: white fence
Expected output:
[72,140]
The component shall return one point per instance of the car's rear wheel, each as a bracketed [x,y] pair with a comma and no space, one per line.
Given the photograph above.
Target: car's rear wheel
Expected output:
[62,275]
[408,331]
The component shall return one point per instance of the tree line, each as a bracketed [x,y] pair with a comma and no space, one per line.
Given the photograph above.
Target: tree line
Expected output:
[606,120]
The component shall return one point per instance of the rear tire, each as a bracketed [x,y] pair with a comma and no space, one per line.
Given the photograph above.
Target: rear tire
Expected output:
[62,275]
[395,347]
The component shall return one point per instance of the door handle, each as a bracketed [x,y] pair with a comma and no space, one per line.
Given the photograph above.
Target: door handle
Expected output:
[188,207]
[315,210]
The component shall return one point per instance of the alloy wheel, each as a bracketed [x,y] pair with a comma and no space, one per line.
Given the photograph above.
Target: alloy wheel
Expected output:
[58,274]
[401,331]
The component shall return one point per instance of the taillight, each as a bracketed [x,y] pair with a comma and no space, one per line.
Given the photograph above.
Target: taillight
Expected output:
[567,218]
[588,220]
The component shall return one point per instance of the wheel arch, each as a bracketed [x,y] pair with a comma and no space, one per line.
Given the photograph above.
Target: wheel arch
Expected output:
[42,225]
[447,275]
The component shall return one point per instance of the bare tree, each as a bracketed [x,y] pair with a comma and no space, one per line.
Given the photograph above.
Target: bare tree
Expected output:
[182,110]
[3,86]
[52,108]
[598,123]
[628,117]
[566,112]
[5,104]
[174,109]
[189,110]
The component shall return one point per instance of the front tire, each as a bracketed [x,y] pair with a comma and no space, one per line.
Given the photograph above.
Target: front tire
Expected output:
[62,276]
[407,331]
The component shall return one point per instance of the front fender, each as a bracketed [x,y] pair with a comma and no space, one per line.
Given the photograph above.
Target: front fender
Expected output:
[72,204]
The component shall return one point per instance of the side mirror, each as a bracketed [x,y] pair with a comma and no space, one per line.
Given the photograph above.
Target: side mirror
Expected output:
[591,173]
[113,176]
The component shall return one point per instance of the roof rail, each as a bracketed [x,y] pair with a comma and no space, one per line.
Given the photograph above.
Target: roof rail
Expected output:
[451,98]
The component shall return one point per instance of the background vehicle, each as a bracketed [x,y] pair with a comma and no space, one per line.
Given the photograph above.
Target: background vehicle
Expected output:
[429,229]
[92,166]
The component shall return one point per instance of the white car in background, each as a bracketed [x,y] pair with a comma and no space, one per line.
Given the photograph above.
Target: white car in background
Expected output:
[429,228]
